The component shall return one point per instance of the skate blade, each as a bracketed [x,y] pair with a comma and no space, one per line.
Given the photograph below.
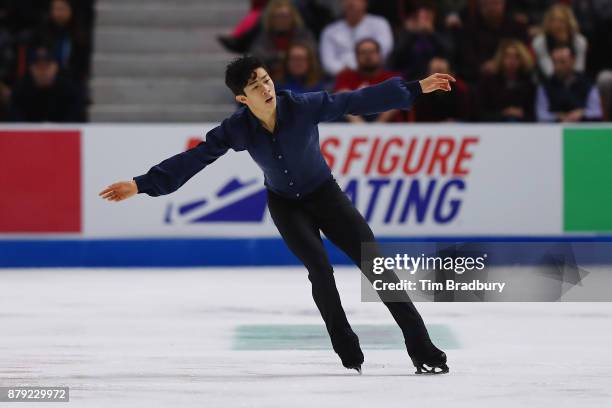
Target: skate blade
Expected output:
[424,369]
[357,368]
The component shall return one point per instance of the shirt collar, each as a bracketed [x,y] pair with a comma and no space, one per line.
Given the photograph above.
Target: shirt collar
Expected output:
[281,99]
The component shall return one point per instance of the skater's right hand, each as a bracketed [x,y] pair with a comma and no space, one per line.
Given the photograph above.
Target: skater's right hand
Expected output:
[119,191]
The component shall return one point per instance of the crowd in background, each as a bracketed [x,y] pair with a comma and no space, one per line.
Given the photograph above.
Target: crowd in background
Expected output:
[45,54]
[515,61]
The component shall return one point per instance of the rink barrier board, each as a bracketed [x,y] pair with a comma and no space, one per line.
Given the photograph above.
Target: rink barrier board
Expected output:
[223,252]
[39,227]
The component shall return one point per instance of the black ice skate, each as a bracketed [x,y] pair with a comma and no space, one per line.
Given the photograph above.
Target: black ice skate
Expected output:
[350,353]
[436,365]
[427,358]
[356,368]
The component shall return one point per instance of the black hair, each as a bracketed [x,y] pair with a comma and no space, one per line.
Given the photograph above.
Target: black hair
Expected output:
[40,49]
[239,71]
[562,47]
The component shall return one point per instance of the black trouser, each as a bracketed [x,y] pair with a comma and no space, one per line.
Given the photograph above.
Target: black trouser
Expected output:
[329,210]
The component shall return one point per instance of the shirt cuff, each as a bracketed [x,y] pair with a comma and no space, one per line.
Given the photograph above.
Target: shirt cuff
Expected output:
[414,87]
[143,183]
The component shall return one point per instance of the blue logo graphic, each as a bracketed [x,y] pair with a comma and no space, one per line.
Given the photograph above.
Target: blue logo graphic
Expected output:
[234,202]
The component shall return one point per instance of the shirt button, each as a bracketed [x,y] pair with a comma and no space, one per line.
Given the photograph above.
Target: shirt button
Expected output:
[291,183]
[297,194]
[280,156]
[286,171]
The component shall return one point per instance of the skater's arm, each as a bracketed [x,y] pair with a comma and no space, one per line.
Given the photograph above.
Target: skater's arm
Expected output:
[172,173]
[394,93]
[169,175]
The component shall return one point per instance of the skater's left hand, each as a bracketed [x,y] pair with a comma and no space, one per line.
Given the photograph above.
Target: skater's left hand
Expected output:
[436,82]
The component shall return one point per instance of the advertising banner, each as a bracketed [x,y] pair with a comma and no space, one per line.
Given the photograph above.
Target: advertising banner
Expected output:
[405,180]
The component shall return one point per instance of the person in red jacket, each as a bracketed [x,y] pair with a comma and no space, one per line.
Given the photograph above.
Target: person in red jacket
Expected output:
[370,71]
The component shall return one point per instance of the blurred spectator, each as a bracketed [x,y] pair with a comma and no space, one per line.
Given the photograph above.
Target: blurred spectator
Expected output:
[443,106]
[567,96]
[390,10]
[482,35]
[560,28]
[7,51]
[335,6]
[604,85]
[530,13]
[508,95]
[5,95]
[85,11]
[595,19]
[46,94]
[418,43]
[282,24]
[369,72]
[23,16]
[7,67]
[250,20]
[339,39]
[316,14]
[302,70]
[246,30]
[451,11]
[69,38]
[19,20]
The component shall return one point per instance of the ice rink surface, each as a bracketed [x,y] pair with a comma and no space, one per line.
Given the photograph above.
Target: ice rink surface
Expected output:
[251,337]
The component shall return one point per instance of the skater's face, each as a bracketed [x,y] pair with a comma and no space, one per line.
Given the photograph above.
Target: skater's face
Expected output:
[259,94]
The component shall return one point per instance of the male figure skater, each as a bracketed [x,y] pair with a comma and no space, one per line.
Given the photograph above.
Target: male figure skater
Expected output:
[280,133]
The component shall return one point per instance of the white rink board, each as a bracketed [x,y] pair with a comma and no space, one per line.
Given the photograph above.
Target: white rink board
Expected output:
[513,185]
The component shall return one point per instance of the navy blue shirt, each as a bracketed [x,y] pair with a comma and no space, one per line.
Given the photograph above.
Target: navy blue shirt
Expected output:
[290,157]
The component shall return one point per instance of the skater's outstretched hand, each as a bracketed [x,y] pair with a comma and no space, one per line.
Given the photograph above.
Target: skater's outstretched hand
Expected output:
[436,82]
[119,191]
